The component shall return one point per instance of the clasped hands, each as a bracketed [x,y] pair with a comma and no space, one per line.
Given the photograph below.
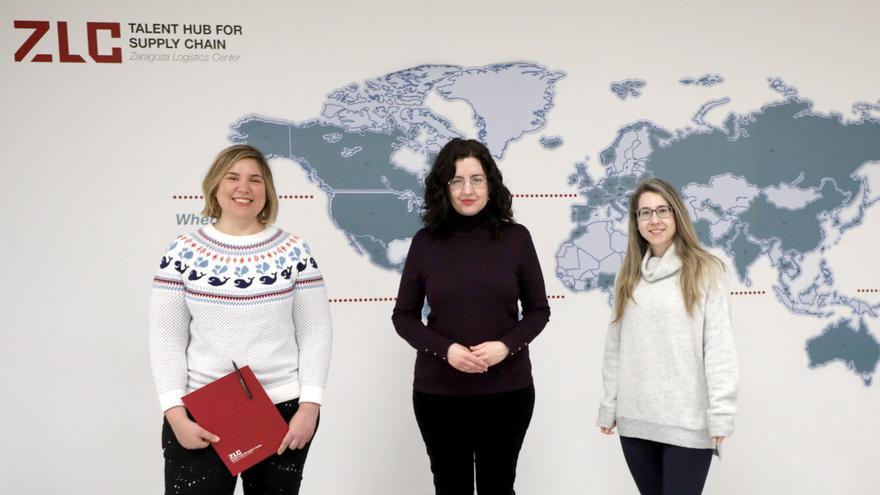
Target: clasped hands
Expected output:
[476,358]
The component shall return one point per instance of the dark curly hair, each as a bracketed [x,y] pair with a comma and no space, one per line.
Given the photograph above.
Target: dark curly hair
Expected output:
[438,213]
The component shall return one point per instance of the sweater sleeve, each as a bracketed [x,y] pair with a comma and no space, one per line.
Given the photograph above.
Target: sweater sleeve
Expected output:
[312,328]
[608,406]
[169,328]
[407,315]
[532,295]
[719,357]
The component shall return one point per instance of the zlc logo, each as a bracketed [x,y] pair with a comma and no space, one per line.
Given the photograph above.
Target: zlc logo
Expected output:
[41,28]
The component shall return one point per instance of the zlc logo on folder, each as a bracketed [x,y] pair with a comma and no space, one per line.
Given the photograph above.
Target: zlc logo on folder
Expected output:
[237,409]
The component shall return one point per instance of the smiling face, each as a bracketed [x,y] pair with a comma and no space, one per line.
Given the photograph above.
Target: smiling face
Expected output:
[469,189]
[242,192]
[659,232]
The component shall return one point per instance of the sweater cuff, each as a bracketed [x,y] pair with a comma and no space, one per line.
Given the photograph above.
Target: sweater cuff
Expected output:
[309,393]
[720,425]
[606,418]
[438,350]
[513,347]
[171,399]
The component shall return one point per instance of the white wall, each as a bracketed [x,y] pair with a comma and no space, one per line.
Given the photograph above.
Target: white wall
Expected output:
[94,153]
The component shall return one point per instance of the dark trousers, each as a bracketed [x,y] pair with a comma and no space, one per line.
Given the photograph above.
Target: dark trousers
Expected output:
[482,431]
[201,472]
[663,469]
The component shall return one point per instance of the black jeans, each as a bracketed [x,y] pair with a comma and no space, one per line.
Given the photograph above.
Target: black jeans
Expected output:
[486,431]
[663,469]
[201,472]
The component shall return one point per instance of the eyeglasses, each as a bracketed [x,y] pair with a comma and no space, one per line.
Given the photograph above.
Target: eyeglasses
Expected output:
[645,214]
[476,182]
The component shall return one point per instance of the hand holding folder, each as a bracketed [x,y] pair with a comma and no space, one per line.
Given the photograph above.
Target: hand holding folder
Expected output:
[236,408]
[189,434]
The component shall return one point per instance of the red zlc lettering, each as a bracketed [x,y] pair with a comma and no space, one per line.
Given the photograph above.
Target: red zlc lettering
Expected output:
[115,56]
[40,28]
[63,46]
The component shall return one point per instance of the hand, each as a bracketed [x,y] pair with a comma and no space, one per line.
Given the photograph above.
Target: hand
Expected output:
[717,440]
[608,431]
[462,359]
[491,352]
[188,433]
[302,427]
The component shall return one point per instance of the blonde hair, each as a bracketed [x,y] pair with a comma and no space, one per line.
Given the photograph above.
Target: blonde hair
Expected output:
[224,161]
[697,265]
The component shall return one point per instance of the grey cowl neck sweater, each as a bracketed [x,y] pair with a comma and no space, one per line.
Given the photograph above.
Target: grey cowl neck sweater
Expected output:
[656,268]
[671,376]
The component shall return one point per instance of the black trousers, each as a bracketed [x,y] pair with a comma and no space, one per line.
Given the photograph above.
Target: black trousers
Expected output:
[485,432]
[201,472]
[663,469]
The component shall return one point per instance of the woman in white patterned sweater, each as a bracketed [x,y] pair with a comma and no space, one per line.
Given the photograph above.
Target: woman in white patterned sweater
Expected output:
[247,291]
[670,369]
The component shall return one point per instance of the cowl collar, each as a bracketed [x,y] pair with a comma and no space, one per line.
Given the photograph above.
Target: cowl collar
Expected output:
[654,268]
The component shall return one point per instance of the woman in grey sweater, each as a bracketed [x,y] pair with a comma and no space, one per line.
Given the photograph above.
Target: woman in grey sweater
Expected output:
[670,371]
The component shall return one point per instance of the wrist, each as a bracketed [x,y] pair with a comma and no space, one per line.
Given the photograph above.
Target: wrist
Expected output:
[506,347]
[176,415]
[449,350]
[311,408]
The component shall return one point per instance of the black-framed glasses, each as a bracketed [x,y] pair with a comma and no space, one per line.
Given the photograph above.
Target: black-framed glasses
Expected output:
[645,214]
[476,182]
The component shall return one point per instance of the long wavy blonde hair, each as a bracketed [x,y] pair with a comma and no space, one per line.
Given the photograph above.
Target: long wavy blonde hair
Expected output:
[697,265]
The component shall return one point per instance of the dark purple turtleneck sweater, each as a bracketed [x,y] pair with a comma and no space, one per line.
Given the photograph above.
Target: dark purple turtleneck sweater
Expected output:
[472,283]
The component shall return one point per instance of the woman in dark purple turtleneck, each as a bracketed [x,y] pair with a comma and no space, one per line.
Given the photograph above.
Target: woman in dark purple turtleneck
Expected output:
[472,393]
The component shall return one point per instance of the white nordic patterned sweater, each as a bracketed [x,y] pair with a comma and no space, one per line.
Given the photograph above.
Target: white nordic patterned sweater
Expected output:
[256,299]
[671,377]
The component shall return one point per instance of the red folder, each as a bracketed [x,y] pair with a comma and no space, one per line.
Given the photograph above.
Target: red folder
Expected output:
[250,429]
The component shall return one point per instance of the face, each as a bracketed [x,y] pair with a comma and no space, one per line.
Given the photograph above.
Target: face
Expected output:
[659,232]
[242,191]
[469,189]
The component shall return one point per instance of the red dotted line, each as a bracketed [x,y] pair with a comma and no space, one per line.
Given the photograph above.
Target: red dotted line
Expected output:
[566,195]
[748,293]
[312,196]
[865,291]
[392,299]
[362,299]
[280,196]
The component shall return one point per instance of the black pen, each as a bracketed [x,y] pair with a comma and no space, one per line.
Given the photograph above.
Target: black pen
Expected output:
[241,379]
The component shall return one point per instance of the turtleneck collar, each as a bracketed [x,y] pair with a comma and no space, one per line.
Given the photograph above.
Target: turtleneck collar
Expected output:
[657,268]
[464,223]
